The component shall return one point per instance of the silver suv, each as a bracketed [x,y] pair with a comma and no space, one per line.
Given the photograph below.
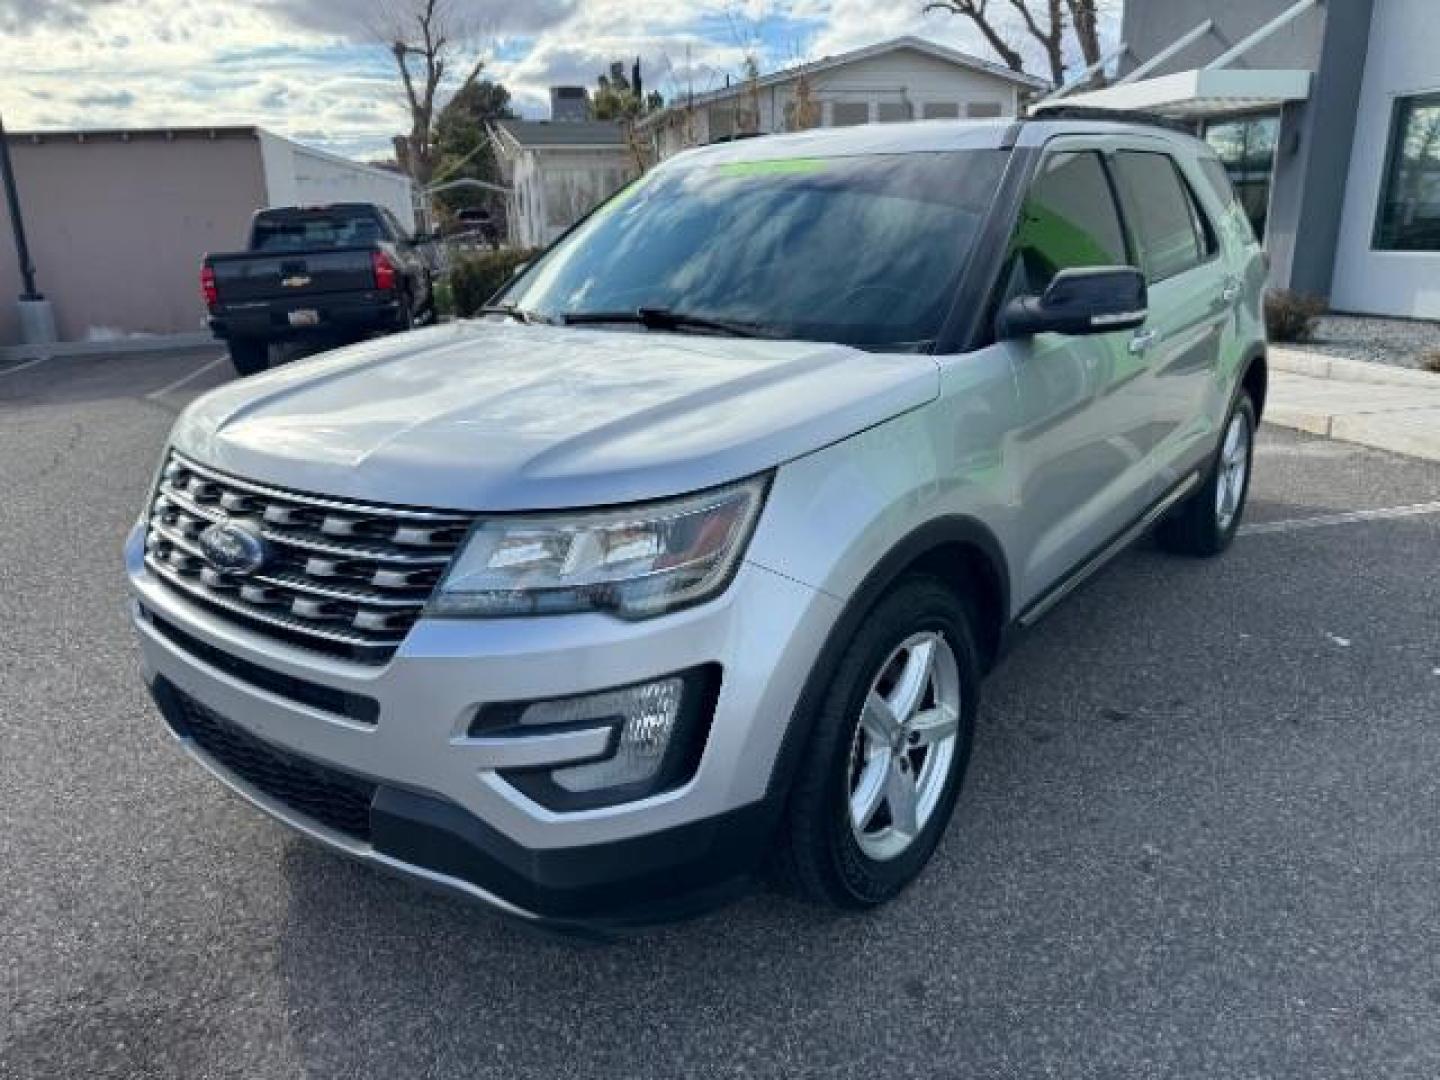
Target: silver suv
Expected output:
[688,557]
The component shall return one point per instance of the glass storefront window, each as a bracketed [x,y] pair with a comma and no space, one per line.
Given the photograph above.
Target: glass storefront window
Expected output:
[1409,218]
[1246,147]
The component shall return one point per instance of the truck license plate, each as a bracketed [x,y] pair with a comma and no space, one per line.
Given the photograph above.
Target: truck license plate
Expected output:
[305,317]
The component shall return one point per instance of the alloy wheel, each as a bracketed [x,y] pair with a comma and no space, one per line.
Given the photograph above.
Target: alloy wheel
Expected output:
[903,746]
[1233,471]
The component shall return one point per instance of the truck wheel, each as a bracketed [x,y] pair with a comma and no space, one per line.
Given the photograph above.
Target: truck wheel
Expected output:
[249,357]
[888,750]
[1206,522]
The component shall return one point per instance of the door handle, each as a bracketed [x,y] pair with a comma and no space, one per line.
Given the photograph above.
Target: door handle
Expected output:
[1142,341]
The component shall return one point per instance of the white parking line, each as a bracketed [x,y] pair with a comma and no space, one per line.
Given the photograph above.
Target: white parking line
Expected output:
[21,366]
[183,380]
[1347,518]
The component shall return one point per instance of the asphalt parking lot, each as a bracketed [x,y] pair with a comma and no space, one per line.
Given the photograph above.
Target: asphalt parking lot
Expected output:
[1199,838]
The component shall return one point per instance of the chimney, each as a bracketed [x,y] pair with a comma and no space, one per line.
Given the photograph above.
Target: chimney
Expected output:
[569,104]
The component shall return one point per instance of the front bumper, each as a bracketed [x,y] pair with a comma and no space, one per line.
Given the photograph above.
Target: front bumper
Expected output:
[441,812]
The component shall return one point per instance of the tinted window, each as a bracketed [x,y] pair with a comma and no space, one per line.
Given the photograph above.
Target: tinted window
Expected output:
[1246,147]
[1410,201]
[299,230]
[865,250]
[1069,220]
[1162,214]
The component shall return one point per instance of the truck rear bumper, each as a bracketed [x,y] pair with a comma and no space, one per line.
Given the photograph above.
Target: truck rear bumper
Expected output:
[336,315]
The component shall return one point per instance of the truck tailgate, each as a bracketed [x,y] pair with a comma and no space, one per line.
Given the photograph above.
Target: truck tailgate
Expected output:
[243,277]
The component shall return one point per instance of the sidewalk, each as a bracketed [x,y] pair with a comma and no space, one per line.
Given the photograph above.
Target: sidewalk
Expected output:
[1386,407]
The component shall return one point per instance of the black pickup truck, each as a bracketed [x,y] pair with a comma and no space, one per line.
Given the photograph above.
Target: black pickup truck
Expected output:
[321,274]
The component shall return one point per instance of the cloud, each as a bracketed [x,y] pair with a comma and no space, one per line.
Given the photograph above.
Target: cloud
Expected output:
[363,20]
[34,16]
[317,69]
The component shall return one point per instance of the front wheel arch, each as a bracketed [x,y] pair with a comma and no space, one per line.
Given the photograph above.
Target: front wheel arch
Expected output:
[959,550]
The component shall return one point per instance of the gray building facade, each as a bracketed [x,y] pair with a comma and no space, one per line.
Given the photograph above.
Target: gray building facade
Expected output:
[1327,115]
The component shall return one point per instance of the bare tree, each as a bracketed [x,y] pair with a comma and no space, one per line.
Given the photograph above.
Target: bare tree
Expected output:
[1045,20]
[430,41]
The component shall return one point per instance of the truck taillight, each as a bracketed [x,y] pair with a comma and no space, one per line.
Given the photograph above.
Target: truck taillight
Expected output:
[207,286]
[384,271]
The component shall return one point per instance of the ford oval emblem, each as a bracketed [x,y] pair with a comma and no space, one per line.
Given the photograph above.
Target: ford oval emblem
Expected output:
[233,548]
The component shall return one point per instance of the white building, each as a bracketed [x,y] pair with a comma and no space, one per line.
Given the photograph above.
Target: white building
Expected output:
[558,171]
[906,78]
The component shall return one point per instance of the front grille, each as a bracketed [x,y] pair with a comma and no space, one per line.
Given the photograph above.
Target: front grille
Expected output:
[339,577]
[334,799]
[357,707]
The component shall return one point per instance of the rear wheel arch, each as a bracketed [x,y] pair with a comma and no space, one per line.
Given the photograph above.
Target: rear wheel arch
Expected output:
[1255,380]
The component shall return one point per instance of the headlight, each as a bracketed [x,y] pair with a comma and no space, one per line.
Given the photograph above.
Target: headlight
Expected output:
[634,562]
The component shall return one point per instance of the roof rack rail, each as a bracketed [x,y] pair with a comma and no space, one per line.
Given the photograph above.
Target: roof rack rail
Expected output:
[1062,111]
[737,137]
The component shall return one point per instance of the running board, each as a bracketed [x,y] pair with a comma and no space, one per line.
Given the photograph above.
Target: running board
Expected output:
[1036,611]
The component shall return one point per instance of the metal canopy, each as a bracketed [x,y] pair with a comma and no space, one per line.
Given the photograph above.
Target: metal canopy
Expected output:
[1206,92]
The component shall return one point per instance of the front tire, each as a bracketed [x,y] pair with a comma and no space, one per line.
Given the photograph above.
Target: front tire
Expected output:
[1206,522]
[889,745]
[249,357]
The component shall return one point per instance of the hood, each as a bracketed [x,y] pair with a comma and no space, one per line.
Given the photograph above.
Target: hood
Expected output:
[497,416]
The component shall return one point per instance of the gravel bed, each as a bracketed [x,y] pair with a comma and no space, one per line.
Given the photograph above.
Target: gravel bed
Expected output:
[1400,342]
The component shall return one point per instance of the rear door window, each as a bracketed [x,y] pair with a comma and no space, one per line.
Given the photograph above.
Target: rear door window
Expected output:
[1171,234]
[1069,221]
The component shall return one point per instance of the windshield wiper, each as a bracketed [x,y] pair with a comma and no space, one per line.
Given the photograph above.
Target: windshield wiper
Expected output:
[515,312]
[659,318]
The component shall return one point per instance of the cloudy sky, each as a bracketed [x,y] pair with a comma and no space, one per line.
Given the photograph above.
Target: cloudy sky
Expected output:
[313,69]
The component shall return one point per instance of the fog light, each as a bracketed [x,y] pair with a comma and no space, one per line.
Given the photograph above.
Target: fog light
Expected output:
[658,734]
[646,715]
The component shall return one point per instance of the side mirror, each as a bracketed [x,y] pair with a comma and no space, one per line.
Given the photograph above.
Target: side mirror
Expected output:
[1093,300]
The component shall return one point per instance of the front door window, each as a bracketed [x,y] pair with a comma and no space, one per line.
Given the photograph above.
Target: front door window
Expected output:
[1246,147]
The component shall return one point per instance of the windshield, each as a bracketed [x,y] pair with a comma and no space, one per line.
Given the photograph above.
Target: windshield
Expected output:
[863,251]
[302,230]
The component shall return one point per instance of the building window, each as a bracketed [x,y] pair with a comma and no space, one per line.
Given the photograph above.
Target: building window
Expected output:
[982,110]
[1409,218]
[849,113]
[1246,147]
[894,112]
[941,110]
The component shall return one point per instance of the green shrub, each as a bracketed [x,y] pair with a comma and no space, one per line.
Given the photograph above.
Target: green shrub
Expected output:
[474,279]
[1291,316]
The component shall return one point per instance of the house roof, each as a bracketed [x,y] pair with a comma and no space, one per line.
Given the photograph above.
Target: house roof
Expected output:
[541,133]
[921,45]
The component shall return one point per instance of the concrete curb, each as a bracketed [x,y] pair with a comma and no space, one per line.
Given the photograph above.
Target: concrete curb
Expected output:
[1318,366]
[120,346]
[1387,408]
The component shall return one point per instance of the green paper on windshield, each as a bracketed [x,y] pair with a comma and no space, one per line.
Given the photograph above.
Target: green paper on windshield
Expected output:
[770,168]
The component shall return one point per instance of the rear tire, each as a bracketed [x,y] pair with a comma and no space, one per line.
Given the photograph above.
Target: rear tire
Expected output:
[854,835]
[1206,522]
[249,357]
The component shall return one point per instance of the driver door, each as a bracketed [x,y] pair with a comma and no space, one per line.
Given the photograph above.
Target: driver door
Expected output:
[1080,447]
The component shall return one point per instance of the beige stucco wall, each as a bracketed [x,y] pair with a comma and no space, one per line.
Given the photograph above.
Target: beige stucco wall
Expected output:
[117,229]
